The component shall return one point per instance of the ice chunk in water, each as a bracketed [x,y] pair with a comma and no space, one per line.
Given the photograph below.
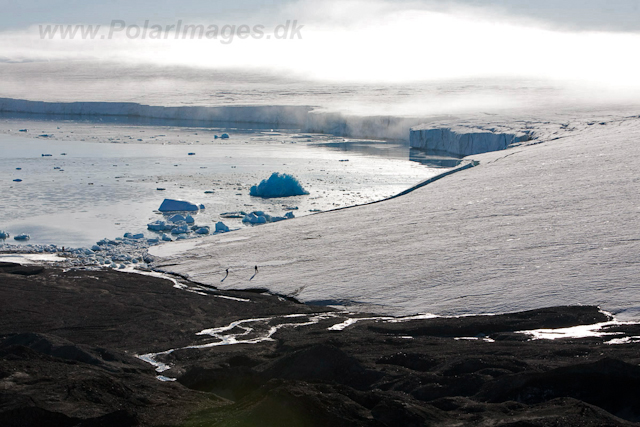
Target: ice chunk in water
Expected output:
[278,185]
[169,205]
[221,227]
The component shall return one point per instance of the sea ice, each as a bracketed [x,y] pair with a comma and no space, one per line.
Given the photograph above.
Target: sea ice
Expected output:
[177,218]
[221,227]
[181,229]
[252,218]
[22,236]
[278,185]
[6,235]
[160,226]
[171,205]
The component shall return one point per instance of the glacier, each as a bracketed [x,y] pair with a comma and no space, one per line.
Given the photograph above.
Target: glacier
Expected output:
[305,118]
[462,141]
[549,223]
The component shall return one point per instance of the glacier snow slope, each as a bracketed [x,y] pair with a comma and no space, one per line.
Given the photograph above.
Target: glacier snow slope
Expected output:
[553,222]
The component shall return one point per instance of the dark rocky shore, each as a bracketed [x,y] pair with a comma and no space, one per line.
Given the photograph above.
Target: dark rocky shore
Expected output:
[69,341]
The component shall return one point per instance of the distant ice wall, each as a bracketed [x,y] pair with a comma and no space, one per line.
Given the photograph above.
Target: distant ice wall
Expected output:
[462,141]
[299,117]
[382,127]
[275,115]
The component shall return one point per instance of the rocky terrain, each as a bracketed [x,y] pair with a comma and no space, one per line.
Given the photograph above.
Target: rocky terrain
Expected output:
[69,342]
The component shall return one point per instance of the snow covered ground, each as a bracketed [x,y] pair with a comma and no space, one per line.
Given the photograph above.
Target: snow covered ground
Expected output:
[553,221]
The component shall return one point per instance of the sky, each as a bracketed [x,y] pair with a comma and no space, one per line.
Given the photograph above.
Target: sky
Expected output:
[606,15]
[591,42]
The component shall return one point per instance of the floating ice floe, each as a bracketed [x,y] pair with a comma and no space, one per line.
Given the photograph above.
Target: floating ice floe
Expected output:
[133,236]
[181,229]
[177,218]
[160,226]
[278,185]
[203,230]
[4,235]
[166,238]
[22,237]
[259,217]
[252,218]
[17,180]
[239,214]
[171,205]
[221,227]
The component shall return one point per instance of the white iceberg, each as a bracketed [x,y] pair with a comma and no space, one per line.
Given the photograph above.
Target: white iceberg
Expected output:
[22,236]
[203,230]
[170,205]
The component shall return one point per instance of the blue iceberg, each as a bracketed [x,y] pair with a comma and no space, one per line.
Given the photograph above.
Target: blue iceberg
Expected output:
[170,205]
[278,185]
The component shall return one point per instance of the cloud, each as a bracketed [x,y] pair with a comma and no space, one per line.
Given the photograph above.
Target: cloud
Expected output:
[378,41]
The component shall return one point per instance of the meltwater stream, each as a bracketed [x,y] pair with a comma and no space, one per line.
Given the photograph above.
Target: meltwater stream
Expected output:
[257,330]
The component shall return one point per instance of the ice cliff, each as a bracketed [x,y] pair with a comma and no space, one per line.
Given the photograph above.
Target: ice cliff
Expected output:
[463,141]
[305,118]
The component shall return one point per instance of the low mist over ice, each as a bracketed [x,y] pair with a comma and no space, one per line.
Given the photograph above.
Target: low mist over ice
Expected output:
[426,57]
